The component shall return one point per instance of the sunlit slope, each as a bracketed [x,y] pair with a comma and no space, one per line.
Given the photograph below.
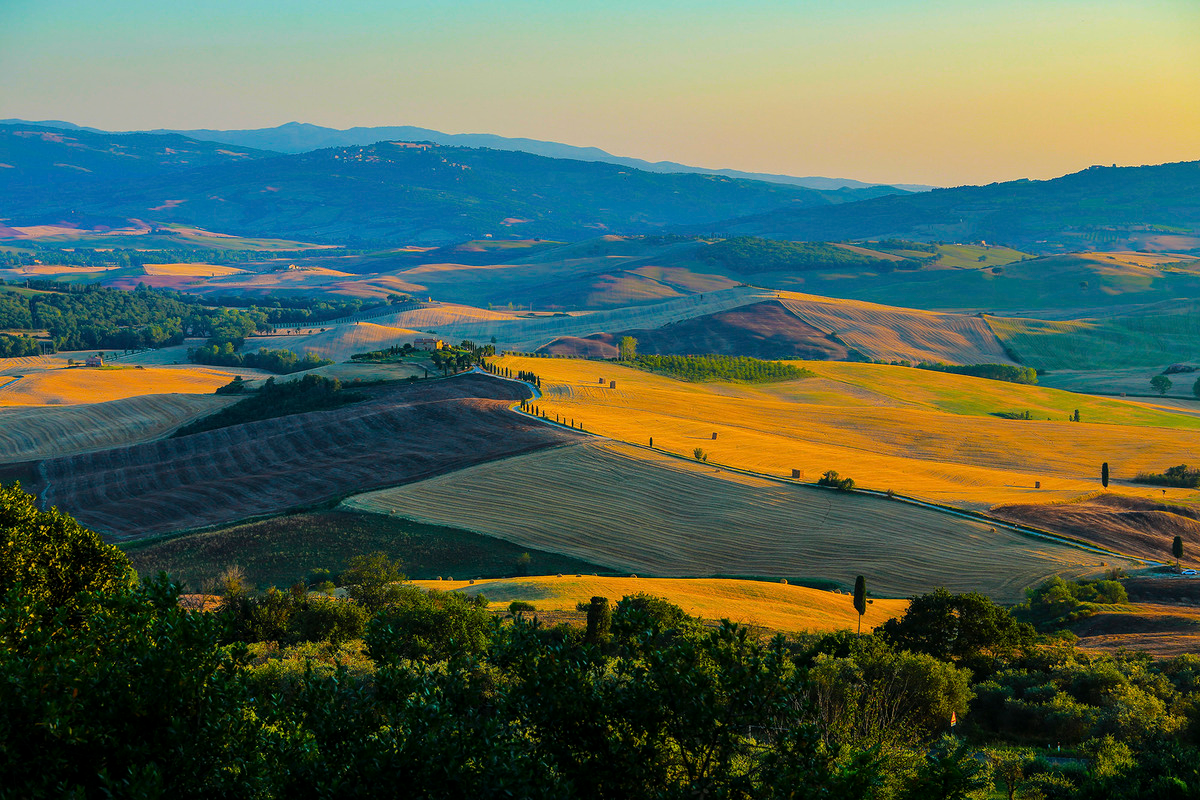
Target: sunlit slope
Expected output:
[66,386]
[650,514]
[920,433]
[777,606]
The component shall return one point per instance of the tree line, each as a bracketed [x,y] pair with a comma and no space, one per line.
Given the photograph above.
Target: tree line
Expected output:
[720,368]
[309,393]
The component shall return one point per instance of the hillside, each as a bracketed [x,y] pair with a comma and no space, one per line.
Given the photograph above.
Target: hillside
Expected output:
[1113,208]
[220,476]
[393,191]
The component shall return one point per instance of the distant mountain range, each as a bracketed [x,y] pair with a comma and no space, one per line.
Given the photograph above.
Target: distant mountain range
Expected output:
[385,192]
[1151,207]
[301,137]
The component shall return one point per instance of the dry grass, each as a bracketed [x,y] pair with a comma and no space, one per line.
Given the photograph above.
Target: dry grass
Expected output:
[775,606]
[646,513]
[70,386]
[339,342]
[923,434]
[45,432]
[886,333]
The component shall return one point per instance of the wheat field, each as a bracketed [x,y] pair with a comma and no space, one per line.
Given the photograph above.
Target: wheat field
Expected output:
[772,605]
[643,512]
[69,386]
[919,433]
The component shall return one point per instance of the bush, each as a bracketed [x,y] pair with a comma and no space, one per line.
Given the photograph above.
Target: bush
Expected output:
[521,607]
[1179,476]
[832,479]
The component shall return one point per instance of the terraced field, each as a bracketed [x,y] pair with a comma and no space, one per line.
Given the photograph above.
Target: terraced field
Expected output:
[923,434]
[50,431]
[647,513]
[402,433]
[775,606]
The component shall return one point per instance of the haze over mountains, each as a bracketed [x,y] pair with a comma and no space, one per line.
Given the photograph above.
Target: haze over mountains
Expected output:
[405,192]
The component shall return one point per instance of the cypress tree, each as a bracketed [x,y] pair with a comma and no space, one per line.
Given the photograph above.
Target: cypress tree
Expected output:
[860,599]
[1177,548]
[1104,474]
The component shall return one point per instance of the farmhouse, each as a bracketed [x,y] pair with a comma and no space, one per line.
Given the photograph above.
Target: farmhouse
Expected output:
[429,344]
[95,361]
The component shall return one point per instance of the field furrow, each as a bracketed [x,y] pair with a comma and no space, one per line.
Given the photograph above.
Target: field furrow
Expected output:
[647,513]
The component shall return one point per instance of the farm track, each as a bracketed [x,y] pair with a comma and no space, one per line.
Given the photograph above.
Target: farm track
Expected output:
[403,433]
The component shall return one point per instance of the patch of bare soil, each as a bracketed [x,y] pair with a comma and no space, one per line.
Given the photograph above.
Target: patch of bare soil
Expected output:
[761,330]
[1132,525]
[403,433]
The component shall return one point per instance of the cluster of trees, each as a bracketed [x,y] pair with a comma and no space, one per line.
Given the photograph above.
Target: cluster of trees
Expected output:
[836,481]
[1180,476]
[111,688]
[464,356]
[749,255]
[721,368]
[995,372]
[17,346]
[281,362]
[382,355]
[126,257]
[310,393]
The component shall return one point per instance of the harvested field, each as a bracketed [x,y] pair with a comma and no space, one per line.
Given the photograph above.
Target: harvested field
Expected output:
[924,434]
[775,606]
[886,333]
[1131,525]
[649,514]
[69,386]
[761,330]
[402,433]
[1162,630]
[48,432]
[282,550]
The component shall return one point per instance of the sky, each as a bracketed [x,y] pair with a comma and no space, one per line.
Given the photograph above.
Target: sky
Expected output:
[893,91]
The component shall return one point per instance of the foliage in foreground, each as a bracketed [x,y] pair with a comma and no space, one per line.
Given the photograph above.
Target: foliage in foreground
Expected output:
[111,690]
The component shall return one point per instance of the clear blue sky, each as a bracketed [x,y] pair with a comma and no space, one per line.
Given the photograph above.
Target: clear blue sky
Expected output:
[918,91]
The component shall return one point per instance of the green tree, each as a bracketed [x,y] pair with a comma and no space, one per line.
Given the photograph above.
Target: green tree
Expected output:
[963,628]
[52,558]
[1177,547]
[372,579]
[1104,474]
[627,348]
[1196,388]
[599,621]
[950,771]
[1160,384]
[860,599]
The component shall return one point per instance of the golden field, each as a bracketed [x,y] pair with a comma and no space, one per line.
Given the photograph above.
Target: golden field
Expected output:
[638,511]
[775,606]
[923,434]
[51,384]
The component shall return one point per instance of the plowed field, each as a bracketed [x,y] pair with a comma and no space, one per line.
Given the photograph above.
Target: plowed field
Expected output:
[646,513]
[403,433]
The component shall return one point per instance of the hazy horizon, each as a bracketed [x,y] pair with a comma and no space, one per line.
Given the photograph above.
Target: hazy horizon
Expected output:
[887,91]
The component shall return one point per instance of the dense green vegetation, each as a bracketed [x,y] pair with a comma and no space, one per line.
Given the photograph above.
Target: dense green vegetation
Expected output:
[111,689]
[310,393]
[721,368]
[750,255]
[281,362]
[1179,476]
[16,346]
[994,372]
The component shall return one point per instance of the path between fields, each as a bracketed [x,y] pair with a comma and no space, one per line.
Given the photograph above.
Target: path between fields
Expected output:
[1024,530]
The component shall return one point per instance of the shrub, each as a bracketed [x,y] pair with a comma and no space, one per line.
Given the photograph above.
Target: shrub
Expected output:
[832,479]
[521,607]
